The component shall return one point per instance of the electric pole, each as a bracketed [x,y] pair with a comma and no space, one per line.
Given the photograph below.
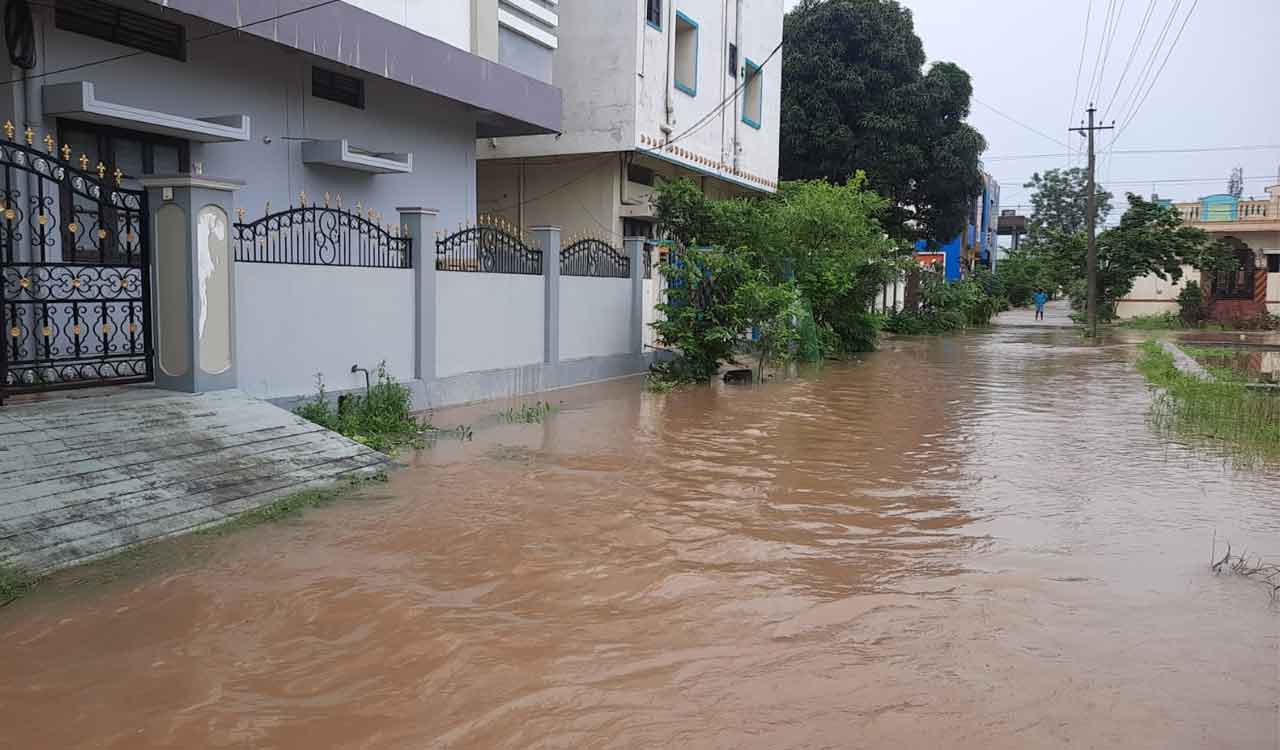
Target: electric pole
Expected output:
[1092,221]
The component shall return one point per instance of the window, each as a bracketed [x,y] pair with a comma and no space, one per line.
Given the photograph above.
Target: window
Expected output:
[133,153]
[686,54]
[1273,263]
[733,60]
[336,87]
[653,14]
[753,96]
[124,27]
[639,175]
[641,228]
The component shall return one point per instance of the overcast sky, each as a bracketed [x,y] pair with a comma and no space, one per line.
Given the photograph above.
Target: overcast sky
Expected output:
[1219,88]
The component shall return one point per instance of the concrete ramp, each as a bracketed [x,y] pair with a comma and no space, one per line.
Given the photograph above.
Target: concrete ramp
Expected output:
[88,475]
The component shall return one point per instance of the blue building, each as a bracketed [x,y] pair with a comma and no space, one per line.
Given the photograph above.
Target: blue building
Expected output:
[976,245]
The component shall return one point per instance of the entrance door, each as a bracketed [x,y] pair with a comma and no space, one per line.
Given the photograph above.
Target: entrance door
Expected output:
[75,297]
[1237,284]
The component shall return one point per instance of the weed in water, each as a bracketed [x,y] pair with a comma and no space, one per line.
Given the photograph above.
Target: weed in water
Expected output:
[527,413]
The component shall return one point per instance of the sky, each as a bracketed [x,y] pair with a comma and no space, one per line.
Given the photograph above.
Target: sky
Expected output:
[1218,88]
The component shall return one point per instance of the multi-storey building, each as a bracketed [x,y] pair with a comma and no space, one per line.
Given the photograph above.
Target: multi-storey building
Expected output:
[976,246]
[220,113]
[653,89]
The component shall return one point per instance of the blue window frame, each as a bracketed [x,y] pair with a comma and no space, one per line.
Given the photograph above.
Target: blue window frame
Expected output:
[753,94]
[686,52]
[653,14]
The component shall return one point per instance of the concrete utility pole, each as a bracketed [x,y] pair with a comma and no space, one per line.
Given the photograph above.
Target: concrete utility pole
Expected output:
[1092,221]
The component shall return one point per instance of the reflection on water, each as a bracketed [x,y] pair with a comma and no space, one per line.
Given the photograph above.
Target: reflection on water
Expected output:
[965,542]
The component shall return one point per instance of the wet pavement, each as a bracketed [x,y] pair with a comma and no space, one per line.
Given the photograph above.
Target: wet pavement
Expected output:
[965,542]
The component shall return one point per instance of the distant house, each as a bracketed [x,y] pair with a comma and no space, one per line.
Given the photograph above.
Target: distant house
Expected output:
[1252,227]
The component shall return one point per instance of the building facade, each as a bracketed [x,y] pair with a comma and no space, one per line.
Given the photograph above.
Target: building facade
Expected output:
[246,194]
[976,246]
[1252,227]
[654,89]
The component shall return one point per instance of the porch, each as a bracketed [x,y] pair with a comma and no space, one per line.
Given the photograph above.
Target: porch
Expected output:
[90,473]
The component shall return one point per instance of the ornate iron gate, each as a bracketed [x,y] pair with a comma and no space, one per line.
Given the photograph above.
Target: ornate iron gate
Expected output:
[75,281]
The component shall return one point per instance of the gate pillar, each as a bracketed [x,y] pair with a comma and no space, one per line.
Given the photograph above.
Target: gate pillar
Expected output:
[193,281]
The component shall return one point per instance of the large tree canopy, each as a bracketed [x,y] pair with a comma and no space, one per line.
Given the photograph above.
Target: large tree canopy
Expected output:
[855,97]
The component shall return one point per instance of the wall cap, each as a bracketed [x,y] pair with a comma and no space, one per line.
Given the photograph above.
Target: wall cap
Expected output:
[191,181]
[544,228]
[418,210]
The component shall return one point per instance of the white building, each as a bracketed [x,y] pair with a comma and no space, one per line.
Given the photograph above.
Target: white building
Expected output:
[653,89]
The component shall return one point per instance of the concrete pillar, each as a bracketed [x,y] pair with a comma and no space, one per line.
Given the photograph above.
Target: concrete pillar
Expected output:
[547,239]
[484,29]
[193,281]
[634,248]
[421,223]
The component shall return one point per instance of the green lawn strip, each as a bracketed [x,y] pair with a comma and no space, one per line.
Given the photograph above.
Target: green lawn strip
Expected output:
[1223,409]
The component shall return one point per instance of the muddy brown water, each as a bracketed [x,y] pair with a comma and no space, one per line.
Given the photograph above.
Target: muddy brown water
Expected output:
[968,542]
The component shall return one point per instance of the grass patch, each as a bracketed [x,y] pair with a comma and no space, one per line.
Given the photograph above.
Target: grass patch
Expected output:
[381,419]
[1224,409]
[1159,322]
[14,583]
[527,413]
[291,505]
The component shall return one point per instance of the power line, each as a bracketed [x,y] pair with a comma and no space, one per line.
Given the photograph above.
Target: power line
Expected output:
[684,134]
[1165,180]
[1084,45]
[1096,91]
[725,103]
[1019,123]
[127,55]
[1156,79]
[1149,64]
[1194,150]
[1133,52]
[1100,63]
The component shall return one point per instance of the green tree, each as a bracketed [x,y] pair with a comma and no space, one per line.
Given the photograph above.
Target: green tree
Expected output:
[856,96]
[1150,239]
[1060,203]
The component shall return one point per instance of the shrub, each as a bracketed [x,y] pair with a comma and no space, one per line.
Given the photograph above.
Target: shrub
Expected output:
[382,419]
[1191,307]
[713,297]
[946,307]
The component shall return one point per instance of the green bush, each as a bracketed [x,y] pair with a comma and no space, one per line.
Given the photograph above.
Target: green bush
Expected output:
[1191,307]
[946,307]
[383,419]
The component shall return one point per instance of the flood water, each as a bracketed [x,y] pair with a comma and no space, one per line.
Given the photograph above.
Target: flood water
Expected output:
[964,542]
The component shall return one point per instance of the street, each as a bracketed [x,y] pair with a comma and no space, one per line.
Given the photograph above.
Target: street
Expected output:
[973,541]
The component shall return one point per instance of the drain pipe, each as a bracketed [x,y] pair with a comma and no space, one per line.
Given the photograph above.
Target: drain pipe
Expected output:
[367,389]
[741,85]
[670,105]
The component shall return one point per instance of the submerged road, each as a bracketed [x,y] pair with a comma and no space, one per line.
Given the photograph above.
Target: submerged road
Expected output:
[966,542]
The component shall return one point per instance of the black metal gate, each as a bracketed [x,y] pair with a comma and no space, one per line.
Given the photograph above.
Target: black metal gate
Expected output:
[75,281]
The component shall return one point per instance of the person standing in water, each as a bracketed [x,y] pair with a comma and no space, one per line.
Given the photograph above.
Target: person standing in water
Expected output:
[1040,298]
